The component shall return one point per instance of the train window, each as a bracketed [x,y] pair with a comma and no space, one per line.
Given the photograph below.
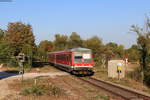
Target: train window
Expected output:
[82,57]
[78,59]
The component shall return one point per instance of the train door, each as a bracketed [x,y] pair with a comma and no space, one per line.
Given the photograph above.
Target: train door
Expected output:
[70,59]
[67,59]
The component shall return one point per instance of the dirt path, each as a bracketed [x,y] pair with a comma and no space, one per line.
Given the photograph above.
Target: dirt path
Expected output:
[8,77]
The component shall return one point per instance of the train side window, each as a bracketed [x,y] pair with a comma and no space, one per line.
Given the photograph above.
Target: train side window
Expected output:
[78,59]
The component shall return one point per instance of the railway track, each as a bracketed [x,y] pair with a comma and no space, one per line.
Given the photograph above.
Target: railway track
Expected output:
[120,91]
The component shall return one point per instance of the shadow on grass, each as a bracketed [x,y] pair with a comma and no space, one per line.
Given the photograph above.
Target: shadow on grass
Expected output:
[7,74]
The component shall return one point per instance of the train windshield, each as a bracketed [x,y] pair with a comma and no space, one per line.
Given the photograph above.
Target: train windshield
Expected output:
[82,57]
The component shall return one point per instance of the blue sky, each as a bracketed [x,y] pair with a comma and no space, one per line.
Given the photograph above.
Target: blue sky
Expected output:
[108,19]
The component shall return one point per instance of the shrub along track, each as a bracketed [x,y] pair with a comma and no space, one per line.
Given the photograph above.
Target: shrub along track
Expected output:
[120,91]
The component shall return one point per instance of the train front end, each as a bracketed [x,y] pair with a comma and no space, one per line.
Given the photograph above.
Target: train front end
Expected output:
[82,61]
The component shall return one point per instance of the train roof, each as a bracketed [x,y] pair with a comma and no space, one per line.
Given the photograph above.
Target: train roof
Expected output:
[80,49]
[72,50]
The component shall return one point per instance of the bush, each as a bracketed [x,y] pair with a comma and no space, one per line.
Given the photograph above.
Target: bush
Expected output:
[147,77]
[25,92]
[34,90]
[136,74]
[13,63]
[101,97]
[55,90]
[41,89]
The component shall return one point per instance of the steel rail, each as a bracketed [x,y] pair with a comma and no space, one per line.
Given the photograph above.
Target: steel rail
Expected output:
[117,90]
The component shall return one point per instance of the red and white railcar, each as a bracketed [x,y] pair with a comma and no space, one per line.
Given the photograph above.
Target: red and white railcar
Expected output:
[77,60]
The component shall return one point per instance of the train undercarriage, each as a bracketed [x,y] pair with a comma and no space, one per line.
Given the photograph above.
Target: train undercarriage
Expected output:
[78,71]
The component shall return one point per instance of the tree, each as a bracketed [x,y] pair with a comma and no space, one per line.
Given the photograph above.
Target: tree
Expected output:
[20,35]
[5,50]
[2,34]
[133,53]
[60,42]
[75,40]
[143,42]
[43,48]
[46,45]
[94,44]
[117,50]
[120,51]
[106,55]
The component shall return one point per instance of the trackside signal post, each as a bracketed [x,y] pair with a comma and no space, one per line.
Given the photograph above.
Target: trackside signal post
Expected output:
[21,60]
[119,69]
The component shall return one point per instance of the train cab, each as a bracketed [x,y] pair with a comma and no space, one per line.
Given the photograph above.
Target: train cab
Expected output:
[82,61]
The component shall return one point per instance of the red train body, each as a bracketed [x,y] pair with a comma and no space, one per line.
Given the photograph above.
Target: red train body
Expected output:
[76,61]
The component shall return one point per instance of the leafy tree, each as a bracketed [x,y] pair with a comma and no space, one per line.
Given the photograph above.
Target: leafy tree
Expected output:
[94,44]
[120,51]
[106,55]
[46,45]
[43,48]
[2,34]
[133,53]
[5,50]
[143,42]
[60,42]
[112,45]
[18,35]
[75,41]
[117,50]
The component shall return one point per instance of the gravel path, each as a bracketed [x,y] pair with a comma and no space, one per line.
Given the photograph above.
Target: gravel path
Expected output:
[8,77]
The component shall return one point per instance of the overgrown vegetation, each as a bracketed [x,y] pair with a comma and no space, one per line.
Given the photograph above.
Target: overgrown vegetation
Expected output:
[135,74]
[101,97]
[42,89]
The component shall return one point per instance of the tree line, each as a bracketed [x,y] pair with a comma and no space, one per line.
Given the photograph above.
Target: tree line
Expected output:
[19,38]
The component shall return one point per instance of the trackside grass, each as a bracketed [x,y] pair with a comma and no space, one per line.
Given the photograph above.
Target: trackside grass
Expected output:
[129,80]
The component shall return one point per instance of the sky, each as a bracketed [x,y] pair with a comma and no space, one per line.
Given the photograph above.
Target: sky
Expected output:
[110,20]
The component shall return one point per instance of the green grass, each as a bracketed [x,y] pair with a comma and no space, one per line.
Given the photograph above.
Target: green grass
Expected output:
[91,91]
[101,97]
[34,90]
